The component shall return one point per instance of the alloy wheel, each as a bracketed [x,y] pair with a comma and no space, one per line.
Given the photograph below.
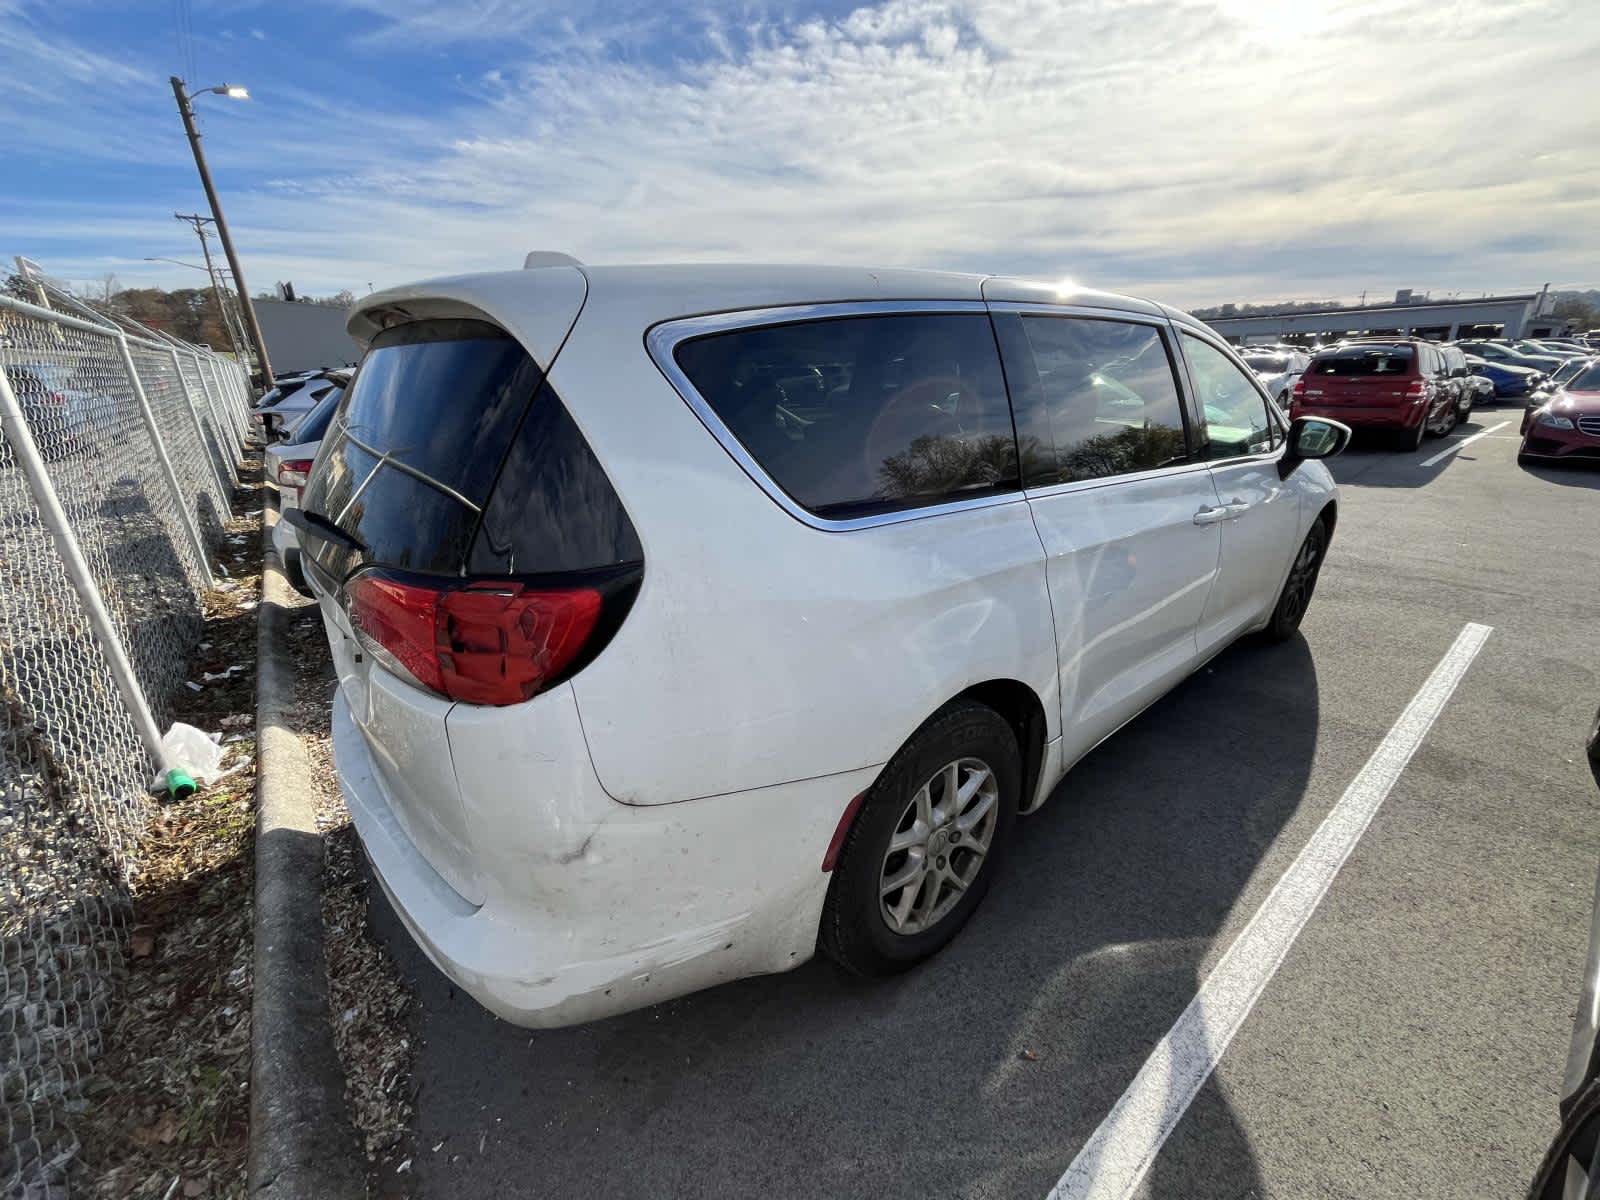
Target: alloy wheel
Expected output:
[1297,593]
[939,845]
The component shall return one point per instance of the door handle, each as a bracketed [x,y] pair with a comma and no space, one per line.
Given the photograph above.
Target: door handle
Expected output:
[1211,516]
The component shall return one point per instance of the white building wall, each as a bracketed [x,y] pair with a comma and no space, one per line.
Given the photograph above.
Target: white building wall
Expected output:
[302,337]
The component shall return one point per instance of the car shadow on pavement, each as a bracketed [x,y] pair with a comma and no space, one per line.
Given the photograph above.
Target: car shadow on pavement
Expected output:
[1374,459]
[1574,474]
[979,1073]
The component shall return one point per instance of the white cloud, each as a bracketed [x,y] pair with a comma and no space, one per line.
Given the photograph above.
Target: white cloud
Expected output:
[1195,151]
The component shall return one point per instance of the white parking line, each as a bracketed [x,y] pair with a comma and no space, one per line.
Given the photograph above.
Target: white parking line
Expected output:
[1462,444]
[1115,1158]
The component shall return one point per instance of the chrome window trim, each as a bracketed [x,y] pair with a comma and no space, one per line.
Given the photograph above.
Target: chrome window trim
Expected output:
[1026,308]
[1100,481]
[662,340]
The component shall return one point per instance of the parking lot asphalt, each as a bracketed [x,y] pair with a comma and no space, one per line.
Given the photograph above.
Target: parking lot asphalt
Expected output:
[1410,1043]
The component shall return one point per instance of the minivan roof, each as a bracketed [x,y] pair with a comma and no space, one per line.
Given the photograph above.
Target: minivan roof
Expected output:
[690,289]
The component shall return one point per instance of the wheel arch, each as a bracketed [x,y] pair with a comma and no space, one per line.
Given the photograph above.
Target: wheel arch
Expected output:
[1330,514]
[1020,707]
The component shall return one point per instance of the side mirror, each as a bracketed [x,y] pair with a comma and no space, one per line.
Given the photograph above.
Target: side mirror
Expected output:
[1312,437]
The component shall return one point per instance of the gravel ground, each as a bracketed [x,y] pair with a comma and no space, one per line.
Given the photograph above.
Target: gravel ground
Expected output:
[371,1007]
[169,1105]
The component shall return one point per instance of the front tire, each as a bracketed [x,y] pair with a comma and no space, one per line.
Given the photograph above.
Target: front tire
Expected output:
[1298,588]
[926,844]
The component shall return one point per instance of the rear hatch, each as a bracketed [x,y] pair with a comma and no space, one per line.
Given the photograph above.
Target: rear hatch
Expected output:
[1366,376]
[464,546]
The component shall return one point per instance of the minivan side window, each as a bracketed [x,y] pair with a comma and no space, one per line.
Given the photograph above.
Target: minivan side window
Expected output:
[1093,397]
[855,416]
[1237,420]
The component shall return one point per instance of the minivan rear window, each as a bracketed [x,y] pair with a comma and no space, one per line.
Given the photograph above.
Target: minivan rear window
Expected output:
[1363,360]
[450,454]
[853,416]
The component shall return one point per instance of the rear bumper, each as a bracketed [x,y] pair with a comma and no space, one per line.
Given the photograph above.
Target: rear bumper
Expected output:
[1404,416]
[592,907]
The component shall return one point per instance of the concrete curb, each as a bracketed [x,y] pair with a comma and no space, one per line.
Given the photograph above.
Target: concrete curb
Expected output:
[301,1140]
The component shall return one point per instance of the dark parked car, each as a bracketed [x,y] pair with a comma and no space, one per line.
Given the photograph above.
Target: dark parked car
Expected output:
[1500,352]
[1565,427]
[1509,382]
[1396,384]
[1459,378]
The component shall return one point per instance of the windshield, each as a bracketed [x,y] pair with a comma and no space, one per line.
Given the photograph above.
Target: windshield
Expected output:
[1567,370]
[1588,381]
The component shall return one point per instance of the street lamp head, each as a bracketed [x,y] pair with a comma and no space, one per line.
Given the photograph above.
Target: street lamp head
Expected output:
[233,91]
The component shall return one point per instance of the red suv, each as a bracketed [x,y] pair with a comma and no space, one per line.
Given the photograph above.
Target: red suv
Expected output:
[1398,384]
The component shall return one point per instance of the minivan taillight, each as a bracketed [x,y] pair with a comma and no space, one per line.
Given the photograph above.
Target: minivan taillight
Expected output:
[1300,387]
[1416,389]
[495,641]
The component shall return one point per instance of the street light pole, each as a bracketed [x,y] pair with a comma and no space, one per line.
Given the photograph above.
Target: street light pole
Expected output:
[186,111]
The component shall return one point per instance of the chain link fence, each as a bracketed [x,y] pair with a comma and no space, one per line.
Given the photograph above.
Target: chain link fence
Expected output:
[118,460]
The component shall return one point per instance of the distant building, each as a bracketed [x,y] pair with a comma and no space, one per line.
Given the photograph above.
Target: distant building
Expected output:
[1408,316]
[302,336]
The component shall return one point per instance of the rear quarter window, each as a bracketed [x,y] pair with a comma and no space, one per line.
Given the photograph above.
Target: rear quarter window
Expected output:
[854,416]
[450,453]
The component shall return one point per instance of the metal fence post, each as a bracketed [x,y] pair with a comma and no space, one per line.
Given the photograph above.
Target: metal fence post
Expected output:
[225,398]
[223,489]
[189,526]
[77,568]
[223,407]
[224,426]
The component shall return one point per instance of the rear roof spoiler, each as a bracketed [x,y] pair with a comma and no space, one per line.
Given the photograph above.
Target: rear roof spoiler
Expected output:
[548,258]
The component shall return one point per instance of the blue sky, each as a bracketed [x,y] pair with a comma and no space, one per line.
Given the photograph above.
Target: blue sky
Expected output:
[1193,151]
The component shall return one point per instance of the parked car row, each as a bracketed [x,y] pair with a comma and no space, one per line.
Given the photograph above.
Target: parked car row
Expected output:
[1412,388]
[288,463]
[293,396]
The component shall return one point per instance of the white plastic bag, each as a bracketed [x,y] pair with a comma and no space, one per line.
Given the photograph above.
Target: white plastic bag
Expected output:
[192,751]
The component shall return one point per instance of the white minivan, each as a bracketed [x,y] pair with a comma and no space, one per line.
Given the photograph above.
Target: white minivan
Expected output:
[689,619]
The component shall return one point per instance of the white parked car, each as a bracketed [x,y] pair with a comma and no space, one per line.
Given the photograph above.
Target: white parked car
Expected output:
[288,464]
[1279,370]
[277,419]
[690,619]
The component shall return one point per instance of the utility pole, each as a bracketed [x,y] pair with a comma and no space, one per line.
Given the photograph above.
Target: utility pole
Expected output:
[186,111]
[224,309]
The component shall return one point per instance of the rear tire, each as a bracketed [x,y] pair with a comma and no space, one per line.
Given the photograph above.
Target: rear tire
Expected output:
[904,831]
[1411,439]
[1298,588]
[1578,1126]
